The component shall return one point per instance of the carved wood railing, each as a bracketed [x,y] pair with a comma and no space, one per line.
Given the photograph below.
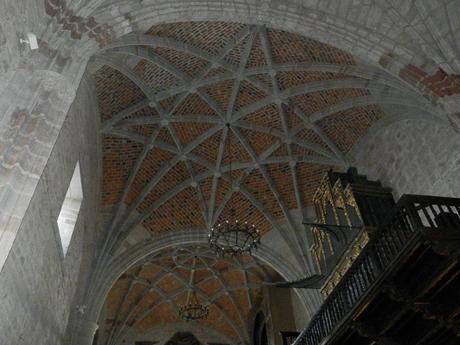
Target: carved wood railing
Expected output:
[413,218]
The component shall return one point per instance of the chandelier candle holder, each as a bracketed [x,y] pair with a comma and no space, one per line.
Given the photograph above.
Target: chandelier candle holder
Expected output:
[233,237]
[193,310]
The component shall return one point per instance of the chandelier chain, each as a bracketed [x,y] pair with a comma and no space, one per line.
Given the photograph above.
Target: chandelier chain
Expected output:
[233,237]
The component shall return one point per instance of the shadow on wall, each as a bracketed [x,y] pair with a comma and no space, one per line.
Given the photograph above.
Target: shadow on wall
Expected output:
[411,157]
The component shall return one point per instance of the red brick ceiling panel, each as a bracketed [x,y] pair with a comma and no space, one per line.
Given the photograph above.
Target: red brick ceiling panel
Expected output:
[209,285]
[133,298]
[151,164]
[144,130]
[244,210]
[187,132]
[190,64]
[288,47]
[234,150]
[115,297]
[164,135]
[265,79]
[241,298]
[144,112]
[259,187]
[291,79]
[178,172]
[157,78]
[293,121]
[182,272]
[216,320]
[248,94]
[201,274]
[299,151]
[254,279]
[220,93]
[222,188]
[169,283]
[181,298]
[175,215]
[282,178]
[194,104]
[209,149]
[215,71]
[346,127]
[322,100]
[233,278]
[197,168]
[222,266]
[247,259]
[118,160]
[210,36]
[256,295]
[234,56]
[257,56]
[309,176]
[115,92]
[206,187]
[149,271]
[231,310]
[259,141]
[309,135]
[143,303]
[164,314]
[267,116]
[166,105]
[147,304]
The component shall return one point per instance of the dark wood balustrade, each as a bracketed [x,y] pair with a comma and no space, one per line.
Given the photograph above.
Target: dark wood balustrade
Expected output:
[414,219]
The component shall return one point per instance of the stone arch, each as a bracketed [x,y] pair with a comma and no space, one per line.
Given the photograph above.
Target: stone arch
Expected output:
[260,329]
[187,327]
[319,24]
[118,265]
[343,28]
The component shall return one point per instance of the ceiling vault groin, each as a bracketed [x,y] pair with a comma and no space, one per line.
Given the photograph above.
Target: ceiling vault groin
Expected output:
[163,274]
[381,88]
[176,99]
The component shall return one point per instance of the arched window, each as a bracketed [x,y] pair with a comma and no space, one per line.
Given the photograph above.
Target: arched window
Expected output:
[260,330]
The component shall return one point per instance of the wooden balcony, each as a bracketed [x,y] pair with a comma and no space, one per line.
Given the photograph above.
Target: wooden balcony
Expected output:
[404,288]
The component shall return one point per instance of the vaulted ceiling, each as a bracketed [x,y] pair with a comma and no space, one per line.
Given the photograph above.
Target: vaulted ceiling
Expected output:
[180,100]
[296,107]
[150,294]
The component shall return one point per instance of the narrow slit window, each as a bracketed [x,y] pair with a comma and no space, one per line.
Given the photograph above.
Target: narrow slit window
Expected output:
[70,209]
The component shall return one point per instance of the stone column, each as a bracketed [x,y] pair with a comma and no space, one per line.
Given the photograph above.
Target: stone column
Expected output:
[33,106]
[84,334]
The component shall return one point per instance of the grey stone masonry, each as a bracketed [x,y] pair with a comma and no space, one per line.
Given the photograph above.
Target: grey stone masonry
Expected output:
[412,157]
[33,106]
[38,284]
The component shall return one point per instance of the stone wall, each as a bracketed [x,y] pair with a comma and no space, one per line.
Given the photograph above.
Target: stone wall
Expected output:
[37,283]
[412,157]
[282,318]
[301,317]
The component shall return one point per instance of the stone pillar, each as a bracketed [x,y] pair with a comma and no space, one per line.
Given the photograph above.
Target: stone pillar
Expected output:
[84,334]
[33,106]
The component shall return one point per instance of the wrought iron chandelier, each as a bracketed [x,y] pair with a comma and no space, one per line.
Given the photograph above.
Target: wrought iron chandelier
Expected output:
[233,237]
[193,310]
